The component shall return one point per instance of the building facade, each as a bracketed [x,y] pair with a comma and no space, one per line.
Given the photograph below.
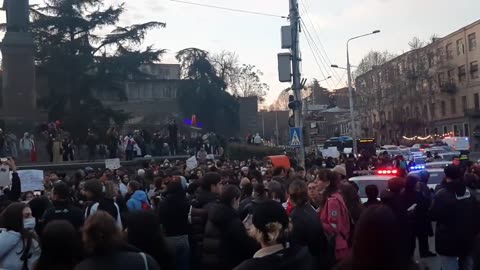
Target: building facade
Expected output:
[432,90]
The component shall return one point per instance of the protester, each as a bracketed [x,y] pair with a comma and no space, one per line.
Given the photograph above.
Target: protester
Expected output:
[102,240]
[270,229]
[138,198]
[314,197]
[93,190]
[19,247]
[372,196]
[8,196]
[226,243]
[62,208]
[455,212]
[334,214]
[143,231]
[307,228]
[61,247]
[377,229]
[173,211]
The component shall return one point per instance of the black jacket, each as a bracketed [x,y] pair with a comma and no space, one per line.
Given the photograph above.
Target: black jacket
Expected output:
[173,212]
[226,243]
[119,261]
[295,258]
[198,214]
[455,212]
[308,231]
[11,195]
[62,210]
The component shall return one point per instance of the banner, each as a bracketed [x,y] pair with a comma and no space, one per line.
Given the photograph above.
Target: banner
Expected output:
[31,180]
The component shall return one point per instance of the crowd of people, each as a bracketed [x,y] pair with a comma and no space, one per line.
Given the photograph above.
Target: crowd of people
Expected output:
[236,215]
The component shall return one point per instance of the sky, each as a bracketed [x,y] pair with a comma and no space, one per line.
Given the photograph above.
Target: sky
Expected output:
[256,39]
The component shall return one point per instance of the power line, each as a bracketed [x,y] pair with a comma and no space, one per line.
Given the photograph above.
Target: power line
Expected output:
[310,41]
[230,9]
[307,37]
[315,31]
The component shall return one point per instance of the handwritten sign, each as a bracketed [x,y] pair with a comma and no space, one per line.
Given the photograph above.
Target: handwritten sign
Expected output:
[192,163]
[331,152]
[31,180]
[348,150]
[4,176]
[112,164]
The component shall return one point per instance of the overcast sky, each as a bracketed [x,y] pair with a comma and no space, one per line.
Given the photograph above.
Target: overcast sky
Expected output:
[256,39]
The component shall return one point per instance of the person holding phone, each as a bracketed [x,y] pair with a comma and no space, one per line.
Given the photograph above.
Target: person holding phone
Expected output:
[12,194]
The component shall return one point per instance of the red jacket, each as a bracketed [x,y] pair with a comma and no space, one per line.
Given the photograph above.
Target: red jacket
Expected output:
[336,221]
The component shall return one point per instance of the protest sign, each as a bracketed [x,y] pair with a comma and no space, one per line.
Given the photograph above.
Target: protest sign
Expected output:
[112,164]
[4,176]
[192,163]
[31,180]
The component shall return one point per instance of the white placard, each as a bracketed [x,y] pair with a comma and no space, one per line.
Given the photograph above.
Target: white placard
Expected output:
[31,180]
[112,164]
[192,163]
[330,152]
[4,176]
[348,150]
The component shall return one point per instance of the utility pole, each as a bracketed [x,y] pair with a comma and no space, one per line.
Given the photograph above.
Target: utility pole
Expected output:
[294,16]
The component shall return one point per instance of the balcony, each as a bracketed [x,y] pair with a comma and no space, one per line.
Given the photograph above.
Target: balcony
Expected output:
[449,88]
[474,113]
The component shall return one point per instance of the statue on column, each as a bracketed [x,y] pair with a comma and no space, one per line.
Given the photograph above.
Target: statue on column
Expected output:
[17,15]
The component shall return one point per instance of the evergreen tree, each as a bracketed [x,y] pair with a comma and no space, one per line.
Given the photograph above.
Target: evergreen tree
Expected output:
[77,60]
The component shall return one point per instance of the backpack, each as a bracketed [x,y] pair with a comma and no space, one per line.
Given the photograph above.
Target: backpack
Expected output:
[146,206]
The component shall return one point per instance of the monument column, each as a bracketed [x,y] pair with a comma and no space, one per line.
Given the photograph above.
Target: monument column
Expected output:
[18,97]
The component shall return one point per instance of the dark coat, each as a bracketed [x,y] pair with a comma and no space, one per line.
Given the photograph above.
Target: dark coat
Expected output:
[308,231]
[199,213]
[11,195]
[118,261]
[226,243]
[454,209]
[62,210]
[173,213]
[297,258]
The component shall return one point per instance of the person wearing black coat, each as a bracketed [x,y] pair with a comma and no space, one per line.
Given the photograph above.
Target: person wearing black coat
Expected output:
[226,243]
[204,199]
[173,212]
[307,229]
[454,209]
[8,196]
[62,209]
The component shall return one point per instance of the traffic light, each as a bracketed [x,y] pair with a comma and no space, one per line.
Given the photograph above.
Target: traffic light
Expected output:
[292,103]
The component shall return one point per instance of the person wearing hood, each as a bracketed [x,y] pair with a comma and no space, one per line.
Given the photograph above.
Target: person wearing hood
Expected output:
[270,229]
[18,247]
[454,210]
[205,198]
[138,199]
[226,243]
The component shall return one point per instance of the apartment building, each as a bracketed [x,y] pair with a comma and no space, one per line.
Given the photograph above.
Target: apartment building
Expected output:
[431,90]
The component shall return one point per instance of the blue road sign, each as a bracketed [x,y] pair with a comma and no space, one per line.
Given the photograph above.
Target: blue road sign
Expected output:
[295,137]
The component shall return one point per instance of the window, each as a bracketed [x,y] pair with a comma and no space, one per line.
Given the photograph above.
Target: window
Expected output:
[455,130]
[450,75]
[445,129]
[472,41]
[389,116]
[438,56]
[449,51]
[443,108]
[464,103]
[462,73]
[460,47]
[453,105]
[466,130]
[476,101]
[474,70]
[441,78]
[433,110]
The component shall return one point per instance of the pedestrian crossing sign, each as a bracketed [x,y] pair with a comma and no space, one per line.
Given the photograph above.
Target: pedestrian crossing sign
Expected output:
[295,137]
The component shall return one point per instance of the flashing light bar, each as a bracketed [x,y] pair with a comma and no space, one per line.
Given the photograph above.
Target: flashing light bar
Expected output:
[417,167]
[387,172]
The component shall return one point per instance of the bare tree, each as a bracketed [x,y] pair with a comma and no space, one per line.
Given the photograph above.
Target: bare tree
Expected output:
[416,43]
[371,60]
[281,103]
[250,84]
[227,67]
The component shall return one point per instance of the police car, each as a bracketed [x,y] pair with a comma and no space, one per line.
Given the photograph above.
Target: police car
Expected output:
[380,179]
[436,176]
[438,164]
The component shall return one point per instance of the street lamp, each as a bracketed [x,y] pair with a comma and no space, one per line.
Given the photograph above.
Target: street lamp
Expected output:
[350,88]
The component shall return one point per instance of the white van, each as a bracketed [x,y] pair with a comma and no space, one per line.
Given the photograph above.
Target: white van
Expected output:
[458,143]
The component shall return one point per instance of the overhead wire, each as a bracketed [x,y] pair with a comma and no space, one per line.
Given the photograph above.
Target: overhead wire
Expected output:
[230,9]
[318,61]
[321,49]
